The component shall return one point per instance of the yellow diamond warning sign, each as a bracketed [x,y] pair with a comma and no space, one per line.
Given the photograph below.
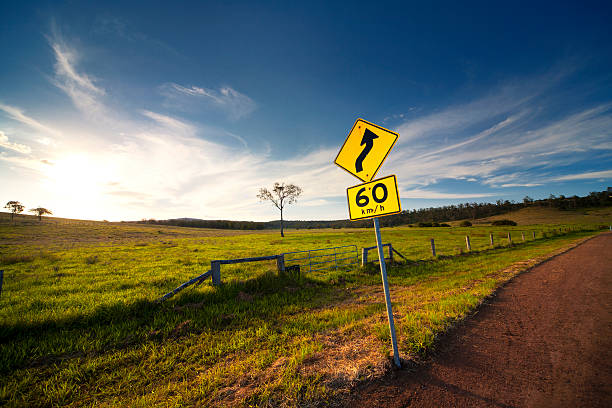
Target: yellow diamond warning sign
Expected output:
[374,199]
[365,149]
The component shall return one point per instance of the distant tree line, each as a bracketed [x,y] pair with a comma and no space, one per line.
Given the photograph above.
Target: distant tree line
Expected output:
[219,224]
[424,216]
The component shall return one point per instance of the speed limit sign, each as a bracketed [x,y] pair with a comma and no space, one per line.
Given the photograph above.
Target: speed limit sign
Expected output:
[373,199]
[362,154]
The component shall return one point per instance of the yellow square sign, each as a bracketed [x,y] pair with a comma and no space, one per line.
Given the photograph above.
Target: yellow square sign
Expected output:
[365,149]
[374,199]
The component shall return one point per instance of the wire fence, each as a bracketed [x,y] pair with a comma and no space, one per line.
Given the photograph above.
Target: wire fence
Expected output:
[323,259]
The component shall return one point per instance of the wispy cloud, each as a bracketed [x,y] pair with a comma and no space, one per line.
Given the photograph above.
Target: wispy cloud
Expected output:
[520,185]
[503,140]
[235,104]
[169,122]
[18,115]
[606,174]
[79,86]
[27,162]
[20,148]
[155,164]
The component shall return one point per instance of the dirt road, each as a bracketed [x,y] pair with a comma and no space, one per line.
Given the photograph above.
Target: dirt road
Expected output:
[545,340]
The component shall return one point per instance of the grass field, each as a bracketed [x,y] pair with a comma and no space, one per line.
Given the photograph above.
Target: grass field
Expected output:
[79,325]
[543,215]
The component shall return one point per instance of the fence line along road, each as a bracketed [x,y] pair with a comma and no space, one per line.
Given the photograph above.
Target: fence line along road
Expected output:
[322,261]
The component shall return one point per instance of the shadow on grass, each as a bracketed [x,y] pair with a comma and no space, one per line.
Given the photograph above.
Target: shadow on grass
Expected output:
[231,306]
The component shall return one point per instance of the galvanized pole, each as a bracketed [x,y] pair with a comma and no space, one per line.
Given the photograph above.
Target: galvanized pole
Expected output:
[433,247]
[383,272]
[1,279]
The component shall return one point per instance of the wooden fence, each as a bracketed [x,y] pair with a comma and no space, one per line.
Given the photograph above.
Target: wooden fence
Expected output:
[215,266]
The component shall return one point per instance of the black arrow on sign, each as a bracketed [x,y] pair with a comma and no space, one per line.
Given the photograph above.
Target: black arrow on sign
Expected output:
[368,141]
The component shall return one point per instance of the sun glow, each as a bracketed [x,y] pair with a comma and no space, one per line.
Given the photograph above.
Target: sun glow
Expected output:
[77,173]
[80,181]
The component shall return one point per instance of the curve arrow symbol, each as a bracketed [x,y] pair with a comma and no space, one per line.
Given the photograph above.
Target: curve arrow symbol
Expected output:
[368,141]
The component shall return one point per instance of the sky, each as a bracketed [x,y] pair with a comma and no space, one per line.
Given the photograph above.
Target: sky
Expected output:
[130,110]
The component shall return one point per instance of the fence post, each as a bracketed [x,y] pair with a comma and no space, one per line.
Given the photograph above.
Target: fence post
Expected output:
[215,268]
[1,279]
[467,243]
[523,235]
[533,234]
[491,238]
[433,248]
[390,253]
[364,256]
[280,263]
[509,239]
[309,264]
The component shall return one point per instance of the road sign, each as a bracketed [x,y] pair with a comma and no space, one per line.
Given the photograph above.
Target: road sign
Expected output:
[365,149]
[374,199]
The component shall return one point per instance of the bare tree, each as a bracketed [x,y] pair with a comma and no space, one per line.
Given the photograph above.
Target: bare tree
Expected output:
[280,196]
[40,211]
[15,206]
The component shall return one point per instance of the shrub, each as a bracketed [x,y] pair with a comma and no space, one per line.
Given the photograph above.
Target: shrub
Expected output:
[465,223]
[90,260]
[444,225]
[503,222]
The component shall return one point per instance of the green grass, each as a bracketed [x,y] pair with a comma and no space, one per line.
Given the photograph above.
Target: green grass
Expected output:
[79,325]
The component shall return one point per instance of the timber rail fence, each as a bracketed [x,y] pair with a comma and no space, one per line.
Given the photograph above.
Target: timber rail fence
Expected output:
[333,258]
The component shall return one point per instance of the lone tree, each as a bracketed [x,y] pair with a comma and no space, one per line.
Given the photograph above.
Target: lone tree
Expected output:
[280,196]
[40,211]
[15,206]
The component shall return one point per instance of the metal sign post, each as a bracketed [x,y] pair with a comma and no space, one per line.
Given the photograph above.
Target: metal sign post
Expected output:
[362,154]
[383,273]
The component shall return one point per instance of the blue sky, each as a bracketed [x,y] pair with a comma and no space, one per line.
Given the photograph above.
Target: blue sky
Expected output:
[129,110]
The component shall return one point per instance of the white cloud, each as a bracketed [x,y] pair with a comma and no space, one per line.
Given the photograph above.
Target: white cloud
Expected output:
[512,150]
[66,59]
[521,185]
[18,115]
[20,148]
[606,174]
[169,122]
[37,166]
[235,104]
[80,87]
[460,117]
